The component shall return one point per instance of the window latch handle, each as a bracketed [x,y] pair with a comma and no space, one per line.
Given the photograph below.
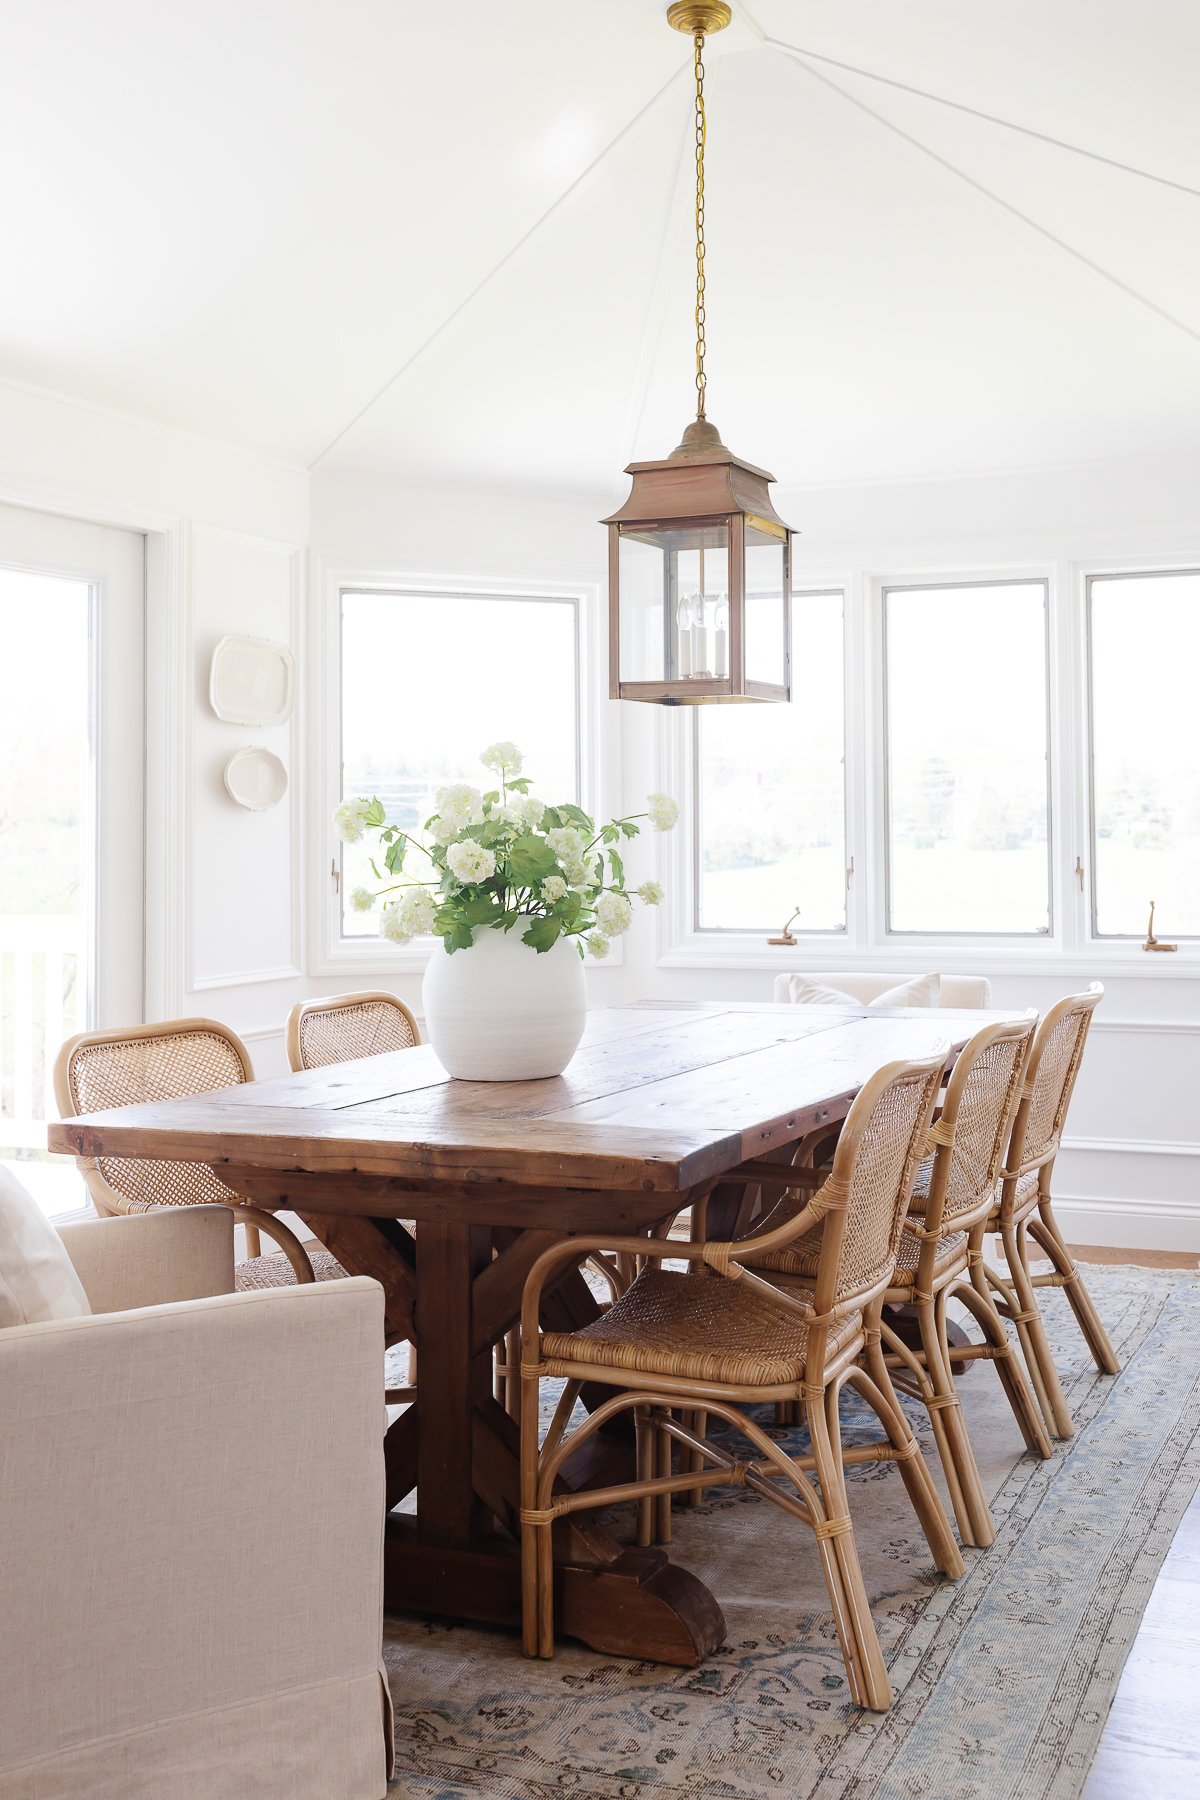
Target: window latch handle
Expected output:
[336,875]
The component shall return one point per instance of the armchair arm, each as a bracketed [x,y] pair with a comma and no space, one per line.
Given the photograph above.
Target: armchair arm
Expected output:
[152,1258]
[191,1558]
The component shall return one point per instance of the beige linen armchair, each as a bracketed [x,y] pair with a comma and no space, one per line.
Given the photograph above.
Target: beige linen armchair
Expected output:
[191,1530]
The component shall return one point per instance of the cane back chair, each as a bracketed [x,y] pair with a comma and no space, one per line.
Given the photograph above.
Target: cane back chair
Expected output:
[941,1258]
[346,1026]
[1023,1208]
[721,1336]
[171,1061]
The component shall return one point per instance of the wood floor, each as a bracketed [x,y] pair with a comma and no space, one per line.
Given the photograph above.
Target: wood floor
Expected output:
[1151,1744]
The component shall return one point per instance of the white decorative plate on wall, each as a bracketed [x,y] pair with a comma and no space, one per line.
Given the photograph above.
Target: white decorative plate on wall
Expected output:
[255,778]
[252,681]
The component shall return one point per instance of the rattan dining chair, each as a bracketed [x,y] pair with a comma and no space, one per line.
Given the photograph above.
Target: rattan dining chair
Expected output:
[344,1027]
[724,1335]
[170,1061]
[942,1243]
[1023,1209]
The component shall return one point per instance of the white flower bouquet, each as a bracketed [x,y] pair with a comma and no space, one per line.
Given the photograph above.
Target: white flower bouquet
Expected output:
[503,858]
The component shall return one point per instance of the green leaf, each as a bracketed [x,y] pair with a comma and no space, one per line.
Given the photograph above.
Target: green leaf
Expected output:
[599,871]
[542,934]
[481,909]
[492,797]
[521,786]
[450,925]
[376,813]
[618,868]
[610,835]
[628,830]
[374,868]
[552,818]
[575,815]
[394,859]
[531,859]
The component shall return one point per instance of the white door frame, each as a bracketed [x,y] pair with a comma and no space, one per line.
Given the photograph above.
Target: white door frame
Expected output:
[167,644]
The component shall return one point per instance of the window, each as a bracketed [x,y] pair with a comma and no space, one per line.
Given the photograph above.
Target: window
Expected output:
[770,793]
[1144,650]
[428,680]
[966,706]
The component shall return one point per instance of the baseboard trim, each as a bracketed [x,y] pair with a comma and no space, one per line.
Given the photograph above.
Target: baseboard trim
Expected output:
[1128,1224]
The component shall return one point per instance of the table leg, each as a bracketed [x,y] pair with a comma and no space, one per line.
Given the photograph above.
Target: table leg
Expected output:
[458,1556]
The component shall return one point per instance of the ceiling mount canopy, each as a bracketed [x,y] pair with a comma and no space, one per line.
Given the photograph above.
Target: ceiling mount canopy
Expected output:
[699,563]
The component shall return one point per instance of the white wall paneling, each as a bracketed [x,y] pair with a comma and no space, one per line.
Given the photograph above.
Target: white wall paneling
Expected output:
[243,873]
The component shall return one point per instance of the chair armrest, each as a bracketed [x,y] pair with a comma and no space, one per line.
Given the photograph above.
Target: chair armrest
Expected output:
[153,1258]
[193,1516]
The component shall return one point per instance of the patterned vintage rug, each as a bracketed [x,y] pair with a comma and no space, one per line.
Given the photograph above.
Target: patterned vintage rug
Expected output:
[1002,1680]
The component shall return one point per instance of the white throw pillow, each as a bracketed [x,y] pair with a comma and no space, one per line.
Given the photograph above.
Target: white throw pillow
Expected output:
[803,992]
[37,1279]
[923,990]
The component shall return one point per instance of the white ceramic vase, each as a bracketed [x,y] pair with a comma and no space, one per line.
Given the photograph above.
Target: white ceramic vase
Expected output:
[500,1011]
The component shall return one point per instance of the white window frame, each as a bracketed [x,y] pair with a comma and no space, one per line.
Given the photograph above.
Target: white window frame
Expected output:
[1144,572]
[599,773]
[1071,948]
[930,939]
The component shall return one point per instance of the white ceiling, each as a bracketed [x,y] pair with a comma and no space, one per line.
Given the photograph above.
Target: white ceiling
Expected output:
[252,218]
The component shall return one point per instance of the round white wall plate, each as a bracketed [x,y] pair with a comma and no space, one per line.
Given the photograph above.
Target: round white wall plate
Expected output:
[255,778]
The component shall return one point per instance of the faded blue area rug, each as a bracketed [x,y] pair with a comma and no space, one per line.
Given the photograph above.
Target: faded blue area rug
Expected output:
[1002,1679]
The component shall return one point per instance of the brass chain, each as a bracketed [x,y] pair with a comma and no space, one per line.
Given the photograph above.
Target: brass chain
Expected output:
[701,134]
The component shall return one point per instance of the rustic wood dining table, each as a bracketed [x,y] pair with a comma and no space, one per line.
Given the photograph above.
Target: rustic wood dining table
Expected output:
[660,1101]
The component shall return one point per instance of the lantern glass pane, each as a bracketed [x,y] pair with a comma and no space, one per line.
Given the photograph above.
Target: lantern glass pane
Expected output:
[674,602]
[642,576]
[765,607]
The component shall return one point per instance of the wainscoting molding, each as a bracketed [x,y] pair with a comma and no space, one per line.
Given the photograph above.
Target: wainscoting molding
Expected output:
[1150,1027]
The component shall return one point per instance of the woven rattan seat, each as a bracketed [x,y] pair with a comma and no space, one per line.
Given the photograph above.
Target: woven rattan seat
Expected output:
[950,1249]
[276,1271]
[697,1325]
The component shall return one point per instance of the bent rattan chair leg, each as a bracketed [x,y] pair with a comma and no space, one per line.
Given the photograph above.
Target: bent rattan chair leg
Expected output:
[1048,1234]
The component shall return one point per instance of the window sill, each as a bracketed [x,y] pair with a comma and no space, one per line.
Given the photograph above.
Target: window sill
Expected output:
[718,950]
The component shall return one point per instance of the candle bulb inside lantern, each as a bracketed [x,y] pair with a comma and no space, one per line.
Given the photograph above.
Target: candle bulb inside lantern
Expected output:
[683,620]
[721,632]
[699,635]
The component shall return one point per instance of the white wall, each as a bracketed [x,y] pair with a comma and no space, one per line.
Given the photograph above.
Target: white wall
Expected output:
[226,535]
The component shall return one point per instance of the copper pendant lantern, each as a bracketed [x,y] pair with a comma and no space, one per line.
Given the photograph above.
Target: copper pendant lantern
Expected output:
[699,562]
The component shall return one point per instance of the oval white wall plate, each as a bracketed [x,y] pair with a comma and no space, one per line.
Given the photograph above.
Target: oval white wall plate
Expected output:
[252,681]
[255,778]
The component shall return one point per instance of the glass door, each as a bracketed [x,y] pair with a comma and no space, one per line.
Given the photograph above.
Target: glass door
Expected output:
[72,703]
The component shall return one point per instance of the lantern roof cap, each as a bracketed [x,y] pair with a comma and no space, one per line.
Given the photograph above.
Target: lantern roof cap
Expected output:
[701,476]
